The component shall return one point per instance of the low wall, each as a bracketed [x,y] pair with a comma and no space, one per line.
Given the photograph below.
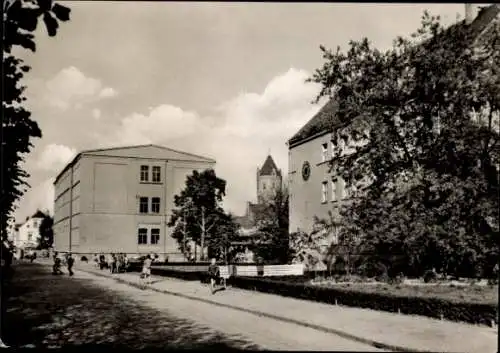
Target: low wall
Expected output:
[242,270]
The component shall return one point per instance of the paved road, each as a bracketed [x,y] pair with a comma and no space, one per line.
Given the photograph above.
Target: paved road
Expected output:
[51,311]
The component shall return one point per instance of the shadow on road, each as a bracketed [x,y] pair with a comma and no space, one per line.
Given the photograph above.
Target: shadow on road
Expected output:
[54,311]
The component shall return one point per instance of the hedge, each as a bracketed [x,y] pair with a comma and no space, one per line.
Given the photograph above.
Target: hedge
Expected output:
[474,313]
[289,286]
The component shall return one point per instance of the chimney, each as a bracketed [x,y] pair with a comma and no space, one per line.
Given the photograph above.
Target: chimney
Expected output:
[469,14]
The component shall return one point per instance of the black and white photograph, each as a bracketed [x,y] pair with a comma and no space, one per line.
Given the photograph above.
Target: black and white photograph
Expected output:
[269,176]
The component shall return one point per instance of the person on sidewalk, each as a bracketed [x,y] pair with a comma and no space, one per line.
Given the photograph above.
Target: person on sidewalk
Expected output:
[110,262]
[70,262]
[56,268]
[213,274]
[146,270]
[96,261]
[125,263]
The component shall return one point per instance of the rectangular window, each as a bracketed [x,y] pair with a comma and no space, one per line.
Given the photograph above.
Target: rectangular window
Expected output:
[324,152]
[143,205]
[324,191]
[156,174]
[30,236]
[333,196]
[155,235]
[144,173]
[155,205]
[142,236]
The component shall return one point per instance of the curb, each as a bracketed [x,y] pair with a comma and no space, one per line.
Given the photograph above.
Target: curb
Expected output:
[375,344]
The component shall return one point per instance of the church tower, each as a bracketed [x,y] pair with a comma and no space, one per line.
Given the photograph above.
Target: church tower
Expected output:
[268,180]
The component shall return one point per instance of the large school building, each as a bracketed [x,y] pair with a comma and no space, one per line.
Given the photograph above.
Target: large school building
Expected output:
[120,200]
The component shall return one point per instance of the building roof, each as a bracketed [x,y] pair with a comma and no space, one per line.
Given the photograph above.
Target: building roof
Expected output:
[268,167]
[38,214]
[326,120]
[139,151]
[320,123]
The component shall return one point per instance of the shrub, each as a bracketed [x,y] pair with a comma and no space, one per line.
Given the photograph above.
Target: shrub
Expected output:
[84,258]
[430,276]
[398,279]
[453,310]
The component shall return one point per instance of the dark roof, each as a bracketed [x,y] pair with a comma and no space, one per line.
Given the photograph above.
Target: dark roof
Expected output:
[326,119]
[256,208]
[244,222]
[38,214]
[319,123]
[268,167]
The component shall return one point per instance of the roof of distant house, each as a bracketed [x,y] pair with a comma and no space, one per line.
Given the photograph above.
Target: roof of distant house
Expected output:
[326,119]
[268,167]
[38,214]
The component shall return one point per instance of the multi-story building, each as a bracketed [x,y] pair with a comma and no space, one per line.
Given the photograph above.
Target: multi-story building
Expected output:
[314,191]
[120,200]
[27,234]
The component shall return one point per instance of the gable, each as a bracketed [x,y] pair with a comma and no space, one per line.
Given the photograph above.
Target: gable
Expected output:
[149,151]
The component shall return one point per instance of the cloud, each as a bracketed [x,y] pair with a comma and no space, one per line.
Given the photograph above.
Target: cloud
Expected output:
[238,136]
[54,157]
[107,92]
[71,88]
[96,114]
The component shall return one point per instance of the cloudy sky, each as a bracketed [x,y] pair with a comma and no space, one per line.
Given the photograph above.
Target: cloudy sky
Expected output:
[224,80]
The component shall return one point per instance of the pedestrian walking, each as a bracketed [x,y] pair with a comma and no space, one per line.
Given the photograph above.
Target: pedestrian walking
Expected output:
[146,270]
[56,268]
[213,274]
[110,262]
[69,262]
[96,261]
[125,262]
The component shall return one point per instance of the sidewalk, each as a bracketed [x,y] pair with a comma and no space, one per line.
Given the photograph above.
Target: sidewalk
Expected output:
[380,329]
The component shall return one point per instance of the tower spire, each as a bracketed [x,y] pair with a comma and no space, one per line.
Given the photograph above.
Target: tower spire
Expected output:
[269,151]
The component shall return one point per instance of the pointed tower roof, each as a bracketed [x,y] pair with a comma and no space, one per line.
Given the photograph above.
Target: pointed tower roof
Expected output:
[268,167]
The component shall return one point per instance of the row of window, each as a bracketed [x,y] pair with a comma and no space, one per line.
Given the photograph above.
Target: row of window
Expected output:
[144,205]
[155,174]
[142,236]
[345,193]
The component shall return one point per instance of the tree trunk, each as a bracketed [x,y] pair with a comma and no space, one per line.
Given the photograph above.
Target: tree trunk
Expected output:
[202,232]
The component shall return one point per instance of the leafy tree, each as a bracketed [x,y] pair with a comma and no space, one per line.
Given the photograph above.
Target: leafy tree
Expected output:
[272,220]
[199,216]
[422,122]
[46,230]
[219,245]
[18,129]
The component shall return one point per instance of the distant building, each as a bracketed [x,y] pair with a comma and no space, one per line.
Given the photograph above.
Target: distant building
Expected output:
[27,234]
[120,200]
[269,178]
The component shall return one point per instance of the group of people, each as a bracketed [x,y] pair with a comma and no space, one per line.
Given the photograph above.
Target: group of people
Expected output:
[116,263]
[69,261]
